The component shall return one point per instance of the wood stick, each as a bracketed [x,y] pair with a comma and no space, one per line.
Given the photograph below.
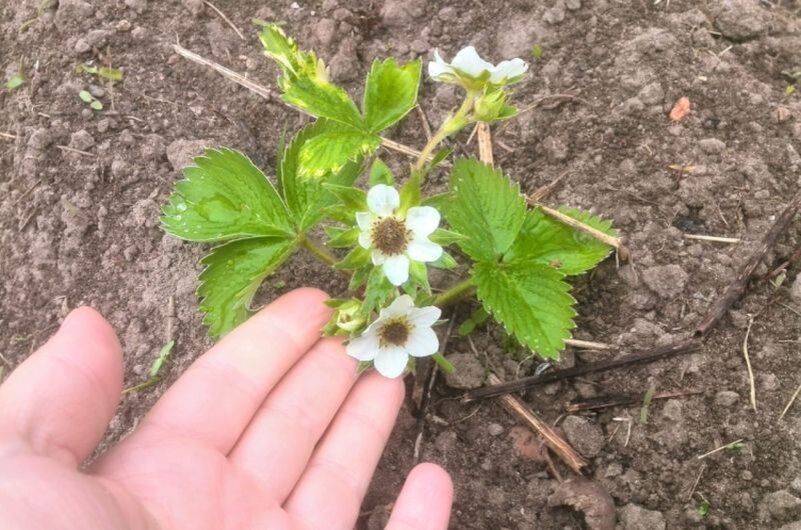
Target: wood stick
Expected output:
[645,356]
[751,386]
[485,144]
[614,242]
[736,289]
[587,345]
[555,442]
[717,239]
[541,193]
[225,19]
[603,402]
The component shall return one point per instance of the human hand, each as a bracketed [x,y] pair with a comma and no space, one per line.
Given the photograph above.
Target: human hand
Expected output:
[271,429]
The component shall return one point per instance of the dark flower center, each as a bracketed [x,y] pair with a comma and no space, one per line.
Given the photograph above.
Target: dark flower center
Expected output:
[390,236]
[394,332]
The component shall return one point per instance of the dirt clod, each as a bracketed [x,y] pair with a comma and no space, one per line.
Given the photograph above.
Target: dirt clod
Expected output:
[585,436]
[666,280]
[468,373]
[587,497]
[635,517]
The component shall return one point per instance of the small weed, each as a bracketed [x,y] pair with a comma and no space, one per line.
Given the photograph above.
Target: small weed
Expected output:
[89,99]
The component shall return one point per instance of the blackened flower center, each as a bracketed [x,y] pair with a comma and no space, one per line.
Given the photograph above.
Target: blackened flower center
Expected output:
[395,332]
[390,236]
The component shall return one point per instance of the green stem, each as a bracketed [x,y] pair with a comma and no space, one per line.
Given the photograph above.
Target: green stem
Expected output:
[444,130]
[319,251]
[455,294]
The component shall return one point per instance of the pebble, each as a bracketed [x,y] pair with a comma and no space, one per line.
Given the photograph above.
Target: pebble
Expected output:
[123,25]
[97,91]
[585,436]
[712,146]
[665,280]
[468,372]
[40,139]
[556,14]
[445,442]
[495,429]
[635,517]
[781,505]
[726,398]
[573,5]
[81,140]
[396,13]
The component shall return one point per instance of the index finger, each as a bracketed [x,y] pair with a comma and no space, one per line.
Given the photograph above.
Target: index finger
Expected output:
[215,399]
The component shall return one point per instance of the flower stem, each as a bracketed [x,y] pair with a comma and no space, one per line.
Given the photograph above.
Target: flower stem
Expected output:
[455,294]
[319,251]
[445,130]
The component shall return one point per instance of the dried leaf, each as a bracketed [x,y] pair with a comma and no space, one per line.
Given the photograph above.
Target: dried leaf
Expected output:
[681,109]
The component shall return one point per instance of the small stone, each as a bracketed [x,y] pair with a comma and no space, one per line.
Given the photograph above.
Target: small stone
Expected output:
[781,505]
[119,168]
[673,411]
[180,153]
[130,252]
[97,91]
[573,5]
[665,280]
[712,146]
[137,5]
[40,139]
[81,140]
[585,436]
[445,442]
[795,485]
[556,14]
[632,106]
[495,429]
[396,13]
[556,148]
[726,398]
[123,25]
[82,46]
[194,6]
[634,517]
[652,94]
[614,470]
[468,372]
[420,46]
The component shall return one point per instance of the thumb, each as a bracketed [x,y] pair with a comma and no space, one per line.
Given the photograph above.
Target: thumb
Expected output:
[425,500]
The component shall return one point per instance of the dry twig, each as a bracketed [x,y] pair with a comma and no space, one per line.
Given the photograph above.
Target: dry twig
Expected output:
[790,403]
[614,242]
[485,144]
[555,442]
[751,385]
[717,239]
[225,19]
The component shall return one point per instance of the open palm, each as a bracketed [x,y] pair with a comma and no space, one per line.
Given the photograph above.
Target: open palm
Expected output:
[271,429]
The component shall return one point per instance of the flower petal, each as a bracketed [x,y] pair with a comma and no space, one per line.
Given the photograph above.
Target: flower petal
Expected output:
[378,258]
[401,306]
[469,62]
[365,220]
[391,362]
[508,70]
[438,67]
[422,220]
[422,342]
[365,240]
[383,200]
[424,316]
[423,249]
[397,269]
[365,347]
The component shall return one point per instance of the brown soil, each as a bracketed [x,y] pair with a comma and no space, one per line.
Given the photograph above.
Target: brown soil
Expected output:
[83,228]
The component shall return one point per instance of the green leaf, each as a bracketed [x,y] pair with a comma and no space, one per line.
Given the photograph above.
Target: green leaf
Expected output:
[381,174]
[306,198]
[15,82]
[377,293]
[390,92]
[445,237]
[353,198]
[85,96]
[356,258]
[547,241]
[419,274]
[155,368]
[224,196]
[112,74]
[478,317]
[531,300]
[96,105]
[328,152]
[486,205]
[411,192]
[233,272]
[440,156]
[443,363]
[305,82]
[445,261]
[341,238]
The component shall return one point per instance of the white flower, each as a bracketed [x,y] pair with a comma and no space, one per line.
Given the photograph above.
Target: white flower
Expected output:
[400,330]
[395,240]
[468,67]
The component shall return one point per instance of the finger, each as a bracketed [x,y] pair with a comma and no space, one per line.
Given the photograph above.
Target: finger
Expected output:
[332,487]
[277,444]
[425,500]
[62,398]
[216,398]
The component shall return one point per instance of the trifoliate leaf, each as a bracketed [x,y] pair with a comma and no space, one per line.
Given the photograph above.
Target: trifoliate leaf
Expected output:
[329,152]
[233,272]
[485,205]
[377,293]
[222,197]
[390,92]
[531,300]
[306,197]
[381,174]
[547,241]
[305,82]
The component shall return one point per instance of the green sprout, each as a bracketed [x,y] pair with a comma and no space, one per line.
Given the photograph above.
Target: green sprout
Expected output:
[89,99]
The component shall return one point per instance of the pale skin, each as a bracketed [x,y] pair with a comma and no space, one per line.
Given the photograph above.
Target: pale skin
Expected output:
[271,429]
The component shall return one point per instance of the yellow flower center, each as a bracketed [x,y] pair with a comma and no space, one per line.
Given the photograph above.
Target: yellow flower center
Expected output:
[395,332]
[390,236]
